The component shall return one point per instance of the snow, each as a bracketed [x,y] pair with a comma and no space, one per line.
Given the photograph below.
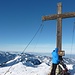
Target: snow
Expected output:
[30,64]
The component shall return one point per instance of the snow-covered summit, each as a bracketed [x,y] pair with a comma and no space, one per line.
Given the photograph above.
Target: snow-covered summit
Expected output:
[28,63]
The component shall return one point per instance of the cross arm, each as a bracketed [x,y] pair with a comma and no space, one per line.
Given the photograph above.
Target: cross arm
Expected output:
[55,16]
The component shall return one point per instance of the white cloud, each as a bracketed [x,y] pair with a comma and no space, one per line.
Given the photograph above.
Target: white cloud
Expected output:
[31,48]
[44,48]
[69,48]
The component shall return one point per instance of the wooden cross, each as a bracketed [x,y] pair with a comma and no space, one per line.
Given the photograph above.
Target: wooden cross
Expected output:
[59,16]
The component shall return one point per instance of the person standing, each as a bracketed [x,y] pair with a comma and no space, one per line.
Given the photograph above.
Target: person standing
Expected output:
[55,61]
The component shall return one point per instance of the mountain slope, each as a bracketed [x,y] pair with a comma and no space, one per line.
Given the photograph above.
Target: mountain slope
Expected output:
[30,64]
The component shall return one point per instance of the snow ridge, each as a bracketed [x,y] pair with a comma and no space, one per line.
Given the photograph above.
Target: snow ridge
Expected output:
[30,64]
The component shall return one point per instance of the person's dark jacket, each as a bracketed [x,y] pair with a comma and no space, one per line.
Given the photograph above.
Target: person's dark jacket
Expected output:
[55,56]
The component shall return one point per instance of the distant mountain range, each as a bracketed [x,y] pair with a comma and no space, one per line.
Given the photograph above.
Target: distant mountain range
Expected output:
[28,59]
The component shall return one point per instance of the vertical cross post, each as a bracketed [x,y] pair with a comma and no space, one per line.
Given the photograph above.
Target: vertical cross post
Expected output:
[59,28]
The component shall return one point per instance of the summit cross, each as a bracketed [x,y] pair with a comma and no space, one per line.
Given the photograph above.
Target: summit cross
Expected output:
[59,16]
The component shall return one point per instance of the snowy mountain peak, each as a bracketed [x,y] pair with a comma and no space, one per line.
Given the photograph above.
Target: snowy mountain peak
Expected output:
[26,64]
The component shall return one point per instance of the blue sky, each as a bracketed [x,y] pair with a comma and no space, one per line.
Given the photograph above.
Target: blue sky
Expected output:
[20,19]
